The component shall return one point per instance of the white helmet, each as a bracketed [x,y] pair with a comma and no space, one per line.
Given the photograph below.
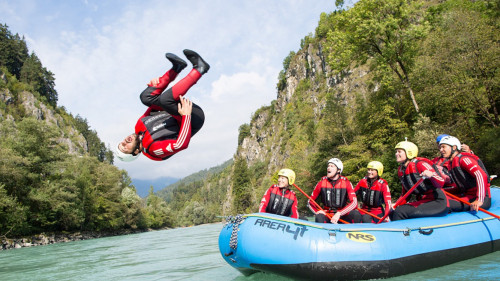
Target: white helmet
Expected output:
[451,141]
[338,163]
[125,157]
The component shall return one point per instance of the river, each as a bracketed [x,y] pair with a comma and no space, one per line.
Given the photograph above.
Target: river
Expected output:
[176,254]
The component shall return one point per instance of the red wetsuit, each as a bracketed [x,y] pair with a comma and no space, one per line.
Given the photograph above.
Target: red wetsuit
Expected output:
[431,200]
[280,201]
[162,130]
[470,175]
[336,196]
[373,196]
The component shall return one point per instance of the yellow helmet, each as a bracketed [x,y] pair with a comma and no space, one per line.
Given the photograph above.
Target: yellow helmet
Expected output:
[289,174]
[376,165]
[410,148]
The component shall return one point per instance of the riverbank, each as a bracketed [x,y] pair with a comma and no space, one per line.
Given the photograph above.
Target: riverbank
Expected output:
[52,238]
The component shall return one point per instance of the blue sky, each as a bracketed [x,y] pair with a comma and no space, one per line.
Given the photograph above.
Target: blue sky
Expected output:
[103,53]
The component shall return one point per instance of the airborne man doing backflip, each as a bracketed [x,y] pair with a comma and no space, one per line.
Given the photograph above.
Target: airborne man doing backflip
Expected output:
[171,119]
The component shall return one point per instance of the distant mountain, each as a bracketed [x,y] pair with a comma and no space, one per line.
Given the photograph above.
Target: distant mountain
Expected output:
[166,192]
[142,186]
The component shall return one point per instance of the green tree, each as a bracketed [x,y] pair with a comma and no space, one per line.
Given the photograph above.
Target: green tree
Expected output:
[95,146]
[29,149]
[157,212]
[242,200]
[459,71]
[27,68]
[90,193]
[195,213]
[41,79]
[244,131]
[13,218]
[134,214]
[488,147]
[282,75]
[383,32]
[13,51]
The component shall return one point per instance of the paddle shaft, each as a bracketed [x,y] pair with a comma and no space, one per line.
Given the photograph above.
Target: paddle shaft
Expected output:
[368,213]
[465,201]
[402,198]
[317,205]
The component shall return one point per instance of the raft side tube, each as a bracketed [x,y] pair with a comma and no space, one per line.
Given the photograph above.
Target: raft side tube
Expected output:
[362,270]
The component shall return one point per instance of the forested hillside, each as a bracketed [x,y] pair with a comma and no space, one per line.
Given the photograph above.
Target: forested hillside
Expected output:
[369,77]
[198,198]
[55,173]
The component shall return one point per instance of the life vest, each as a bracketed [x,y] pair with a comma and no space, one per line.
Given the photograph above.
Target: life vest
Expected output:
[463,179]
[409,176]
[442,166]
[371,194]
[159,125]
[334,193]
[280,201]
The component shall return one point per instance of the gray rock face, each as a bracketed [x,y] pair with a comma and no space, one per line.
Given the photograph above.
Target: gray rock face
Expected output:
[70,137]
[308,64]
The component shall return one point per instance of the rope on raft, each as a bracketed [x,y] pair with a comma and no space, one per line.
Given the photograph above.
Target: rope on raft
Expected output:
[236,221]
[404,230]
[417,228]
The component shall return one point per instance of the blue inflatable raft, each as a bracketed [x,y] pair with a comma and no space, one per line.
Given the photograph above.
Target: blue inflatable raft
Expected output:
[314,251]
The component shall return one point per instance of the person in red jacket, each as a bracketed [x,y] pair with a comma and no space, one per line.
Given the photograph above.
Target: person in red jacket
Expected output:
[443,166]
[469,174]
[171,119]
[431,200]
[374,193]
[279,198]
[337,195]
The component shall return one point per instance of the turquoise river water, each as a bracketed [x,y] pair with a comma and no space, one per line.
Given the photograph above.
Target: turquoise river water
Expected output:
[177,254]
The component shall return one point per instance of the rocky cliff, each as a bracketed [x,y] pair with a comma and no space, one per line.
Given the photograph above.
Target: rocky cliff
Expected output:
[27,105]
[268,136]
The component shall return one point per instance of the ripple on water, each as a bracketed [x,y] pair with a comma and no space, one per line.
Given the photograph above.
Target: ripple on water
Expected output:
[176,254]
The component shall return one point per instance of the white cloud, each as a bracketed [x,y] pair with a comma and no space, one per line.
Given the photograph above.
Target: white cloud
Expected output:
[238,87]
[103,54]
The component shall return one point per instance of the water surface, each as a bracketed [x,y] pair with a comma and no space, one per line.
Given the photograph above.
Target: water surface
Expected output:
[177,254]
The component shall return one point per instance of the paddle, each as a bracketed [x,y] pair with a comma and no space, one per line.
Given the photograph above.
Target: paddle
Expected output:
[368,213]
[316,204]
[465,201]
[402,198]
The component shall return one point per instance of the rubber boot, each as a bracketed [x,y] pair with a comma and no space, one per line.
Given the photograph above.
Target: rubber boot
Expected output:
[178,64]
[198,63]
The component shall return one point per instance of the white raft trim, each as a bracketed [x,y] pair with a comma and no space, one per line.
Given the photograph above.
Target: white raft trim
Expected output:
[404,230]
